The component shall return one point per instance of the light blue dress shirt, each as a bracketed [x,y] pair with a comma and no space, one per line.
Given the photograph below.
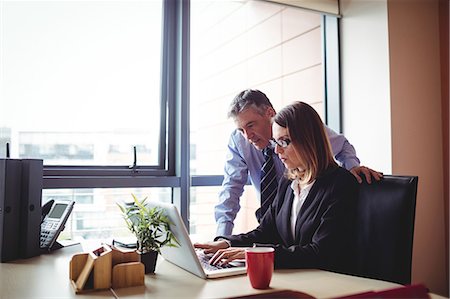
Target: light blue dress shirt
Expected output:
[244,160]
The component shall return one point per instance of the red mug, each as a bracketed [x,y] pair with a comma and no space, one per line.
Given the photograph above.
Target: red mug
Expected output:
[259,262]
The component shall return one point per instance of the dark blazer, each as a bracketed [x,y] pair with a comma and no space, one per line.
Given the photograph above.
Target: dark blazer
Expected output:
[324,229]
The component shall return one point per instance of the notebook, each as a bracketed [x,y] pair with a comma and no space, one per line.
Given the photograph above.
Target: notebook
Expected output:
[186,256]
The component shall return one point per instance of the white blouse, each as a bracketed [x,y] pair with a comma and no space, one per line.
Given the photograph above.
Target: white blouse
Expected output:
[299,198]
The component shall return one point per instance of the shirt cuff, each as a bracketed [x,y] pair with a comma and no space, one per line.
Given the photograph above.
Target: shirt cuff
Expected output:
[226,241]
[349,164]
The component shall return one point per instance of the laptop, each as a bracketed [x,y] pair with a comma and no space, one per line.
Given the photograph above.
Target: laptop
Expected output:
[186,256]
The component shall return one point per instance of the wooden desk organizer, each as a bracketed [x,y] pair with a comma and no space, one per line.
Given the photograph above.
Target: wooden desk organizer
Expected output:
[104,268]
[127,269]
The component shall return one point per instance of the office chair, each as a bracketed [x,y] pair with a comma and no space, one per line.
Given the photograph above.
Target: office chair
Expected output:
[385,228]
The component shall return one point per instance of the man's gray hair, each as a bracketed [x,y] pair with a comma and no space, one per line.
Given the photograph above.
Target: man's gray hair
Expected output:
[249,98]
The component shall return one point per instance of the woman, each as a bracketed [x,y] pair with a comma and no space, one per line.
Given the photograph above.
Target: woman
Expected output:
[311,222]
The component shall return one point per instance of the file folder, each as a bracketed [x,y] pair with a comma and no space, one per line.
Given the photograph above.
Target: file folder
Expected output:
[31,210]
[10,190]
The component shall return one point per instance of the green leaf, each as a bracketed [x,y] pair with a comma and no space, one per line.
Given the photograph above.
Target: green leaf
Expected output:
[150,225]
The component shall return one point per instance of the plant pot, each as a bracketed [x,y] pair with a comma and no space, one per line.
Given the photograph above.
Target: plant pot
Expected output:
[149,261]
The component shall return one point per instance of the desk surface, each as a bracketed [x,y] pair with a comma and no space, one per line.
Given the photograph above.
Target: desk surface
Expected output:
[47,276]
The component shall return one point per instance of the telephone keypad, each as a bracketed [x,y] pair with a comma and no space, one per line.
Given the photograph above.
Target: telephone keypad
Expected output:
[54,221]
[46,237]
[48,230]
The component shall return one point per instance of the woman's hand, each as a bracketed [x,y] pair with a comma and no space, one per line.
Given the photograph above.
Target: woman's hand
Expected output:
[212,247]
[224,256]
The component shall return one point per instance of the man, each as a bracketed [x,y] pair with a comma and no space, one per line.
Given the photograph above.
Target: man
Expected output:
[252,112]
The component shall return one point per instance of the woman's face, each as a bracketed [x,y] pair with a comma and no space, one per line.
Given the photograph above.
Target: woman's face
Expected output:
[287,155]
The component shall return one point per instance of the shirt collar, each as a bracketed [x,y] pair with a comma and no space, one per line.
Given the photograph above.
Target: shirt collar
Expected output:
[295,186]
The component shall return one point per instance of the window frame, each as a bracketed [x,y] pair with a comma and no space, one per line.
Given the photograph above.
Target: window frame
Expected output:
[164,173]
[332,80]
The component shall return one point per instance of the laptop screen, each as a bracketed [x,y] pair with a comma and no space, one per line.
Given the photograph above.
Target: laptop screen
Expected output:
[184,255]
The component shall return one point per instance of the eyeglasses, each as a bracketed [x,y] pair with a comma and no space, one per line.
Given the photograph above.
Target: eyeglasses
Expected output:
[281,142]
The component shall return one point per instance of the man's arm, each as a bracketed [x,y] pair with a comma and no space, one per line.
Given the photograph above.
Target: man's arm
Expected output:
[235,178]
[345,153]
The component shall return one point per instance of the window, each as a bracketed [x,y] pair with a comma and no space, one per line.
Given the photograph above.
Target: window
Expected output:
[81,82]
[236,45]
[95,214]
[132,96]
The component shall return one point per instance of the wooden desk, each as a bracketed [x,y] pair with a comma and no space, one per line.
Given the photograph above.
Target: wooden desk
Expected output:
[169,281]
[47,276]
[44,276]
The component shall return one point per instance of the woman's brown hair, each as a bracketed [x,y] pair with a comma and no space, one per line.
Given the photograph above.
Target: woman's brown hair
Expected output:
[309,139]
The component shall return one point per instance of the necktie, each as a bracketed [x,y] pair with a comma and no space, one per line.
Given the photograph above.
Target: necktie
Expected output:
[269,183]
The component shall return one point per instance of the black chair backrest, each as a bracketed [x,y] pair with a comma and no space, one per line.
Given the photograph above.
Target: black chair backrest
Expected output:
[385,228]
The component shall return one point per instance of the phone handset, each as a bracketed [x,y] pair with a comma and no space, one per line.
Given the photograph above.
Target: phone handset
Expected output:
[54,217]
[46,208]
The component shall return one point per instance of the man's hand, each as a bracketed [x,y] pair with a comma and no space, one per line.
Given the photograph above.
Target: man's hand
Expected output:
[359,171]
[212,247]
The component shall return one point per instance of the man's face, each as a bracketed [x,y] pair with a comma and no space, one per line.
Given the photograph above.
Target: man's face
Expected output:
[256,128]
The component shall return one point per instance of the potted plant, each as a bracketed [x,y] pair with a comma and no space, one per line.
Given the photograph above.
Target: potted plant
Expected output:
[151,228]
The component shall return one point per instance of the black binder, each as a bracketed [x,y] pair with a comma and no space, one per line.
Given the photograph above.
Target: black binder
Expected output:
[30,210]
[20,208]
[10,190]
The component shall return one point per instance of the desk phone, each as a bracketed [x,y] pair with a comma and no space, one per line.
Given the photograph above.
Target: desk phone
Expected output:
[54,221]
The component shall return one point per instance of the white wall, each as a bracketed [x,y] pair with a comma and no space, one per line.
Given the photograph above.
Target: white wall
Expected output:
[365,81]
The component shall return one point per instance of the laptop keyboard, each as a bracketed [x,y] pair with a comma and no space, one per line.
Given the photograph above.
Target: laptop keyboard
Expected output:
[204,260]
